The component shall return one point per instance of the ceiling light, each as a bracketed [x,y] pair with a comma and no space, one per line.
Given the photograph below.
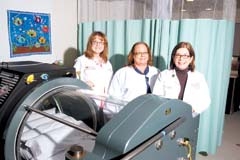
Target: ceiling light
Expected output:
[208,9]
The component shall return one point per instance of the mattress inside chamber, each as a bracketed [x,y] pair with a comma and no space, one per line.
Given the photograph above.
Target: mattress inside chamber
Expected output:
[44,138]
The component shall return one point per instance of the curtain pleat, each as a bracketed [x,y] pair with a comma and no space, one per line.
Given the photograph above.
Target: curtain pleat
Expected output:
[212,41]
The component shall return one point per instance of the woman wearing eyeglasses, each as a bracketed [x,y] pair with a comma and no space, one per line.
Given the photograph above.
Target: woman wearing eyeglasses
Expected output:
[138,77]
[93,67]
[182,81]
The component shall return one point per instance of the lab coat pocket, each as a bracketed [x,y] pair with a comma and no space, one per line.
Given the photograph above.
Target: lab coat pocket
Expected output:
[170,91]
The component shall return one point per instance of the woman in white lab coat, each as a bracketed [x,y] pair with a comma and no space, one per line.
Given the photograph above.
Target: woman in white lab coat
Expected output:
[182,81]
[137,78]
[93,67]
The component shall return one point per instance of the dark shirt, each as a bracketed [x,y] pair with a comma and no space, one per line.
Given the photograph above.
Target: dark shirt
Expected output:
[182,77]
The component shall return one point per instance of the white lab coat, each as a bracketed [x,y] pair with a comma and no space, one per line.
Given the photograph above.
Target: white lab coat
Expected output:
[196,91]
[100,75]
[127,84]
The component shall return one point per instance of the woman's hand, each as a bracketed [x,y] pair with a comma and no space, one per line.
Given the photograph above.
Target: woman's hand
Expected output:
[90,84]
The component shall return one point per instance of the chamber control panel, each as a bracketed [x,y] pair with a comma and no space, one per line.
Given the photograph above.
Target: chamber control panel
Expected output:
[8,81]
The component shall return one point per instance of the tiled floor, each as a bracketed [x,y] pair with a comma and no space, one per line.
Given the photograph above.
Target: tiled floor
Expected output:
[230,147]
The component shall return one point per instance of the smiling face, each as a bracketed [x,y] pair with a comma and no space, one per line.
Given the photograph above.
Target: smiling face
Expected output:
[97,45]
[182,58]
[141,55]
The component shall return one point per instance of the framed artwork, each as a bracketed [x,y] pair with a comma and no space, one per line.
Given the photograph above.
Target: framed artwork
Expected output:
[29,33]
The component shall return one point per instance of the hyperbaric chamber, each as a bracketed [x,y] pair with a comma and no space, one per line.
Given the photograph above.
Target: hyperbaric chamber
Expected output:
[64,112]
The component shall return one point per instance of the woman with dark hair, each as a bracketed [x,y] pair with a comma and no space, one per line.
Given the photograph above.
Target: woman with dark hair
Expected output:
[138,77]
[93,67]
[182,81]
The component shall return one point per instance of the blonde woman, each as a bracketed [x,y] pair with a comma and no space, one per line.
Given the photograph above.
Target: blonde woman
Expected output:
[138,77]
[93,67]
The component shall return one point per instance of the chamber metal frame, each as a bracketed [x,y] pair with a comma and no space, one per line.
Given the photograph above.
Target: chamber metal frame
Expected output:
[136,132]
[33,99]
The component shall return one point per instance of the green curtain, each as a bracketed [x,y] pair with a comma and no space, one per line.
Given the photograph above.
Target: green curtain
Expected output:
[213,44]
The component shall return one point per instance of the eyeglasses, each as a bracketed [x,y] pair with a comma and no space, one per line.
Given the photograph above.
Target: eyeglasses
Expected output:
[141,53]
[97,43]
[184,56]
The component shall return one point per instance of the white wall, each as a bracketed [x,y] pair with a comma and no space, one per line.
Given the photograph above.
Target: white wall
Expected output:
[63,15]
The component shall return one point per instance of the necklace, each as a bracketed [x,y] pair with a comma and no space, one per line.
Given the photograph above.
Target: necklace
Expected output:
[98,61]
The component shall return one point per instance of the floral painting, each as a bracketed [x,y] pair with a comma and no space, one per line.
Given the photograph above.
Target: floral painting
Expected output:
[29,33]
